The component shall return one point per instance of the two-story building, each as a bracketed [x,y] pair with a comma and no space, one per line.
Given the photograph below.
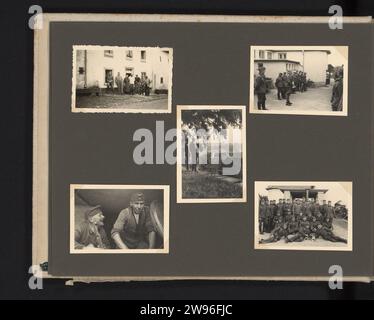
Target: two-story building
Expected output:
[94,65]
[313,62]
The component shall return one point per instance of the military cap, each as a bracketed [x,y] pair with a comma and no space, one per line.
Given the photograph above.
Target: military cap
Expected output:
[93,211]
[139,196]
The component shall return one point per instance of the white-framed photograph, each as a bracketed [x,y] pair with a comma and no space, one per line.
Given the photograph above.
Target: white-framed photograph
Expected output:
[299,80]
[122,79]
[211,154]
[119,219]
[303,215]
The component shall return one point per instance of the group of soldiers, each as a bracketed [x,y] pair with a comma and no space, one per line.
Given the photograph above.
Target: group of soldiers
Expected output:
[297,221]
[286,83]
[130,84]
[289,82]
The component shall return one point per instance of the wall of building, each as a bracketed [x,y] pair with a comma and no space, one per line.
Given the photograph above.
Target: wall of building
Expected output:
[315,65]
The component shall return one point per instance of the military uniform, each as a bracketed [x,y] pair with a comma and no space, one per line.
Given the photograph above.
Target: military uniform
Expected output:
[260,90]
[277,234]
[328,235]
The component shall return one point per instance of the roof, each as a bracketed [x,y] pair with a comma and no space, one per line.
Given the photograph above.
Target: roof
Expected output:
[298,50]
[277,60]
[296,188]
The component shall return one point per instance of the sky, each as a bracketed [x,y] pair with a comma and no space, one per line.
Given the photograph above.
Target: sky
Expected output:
[336,58]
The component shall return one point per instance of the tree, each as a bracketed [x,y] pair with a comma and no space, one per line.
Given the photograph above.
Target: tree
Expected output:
[218,119]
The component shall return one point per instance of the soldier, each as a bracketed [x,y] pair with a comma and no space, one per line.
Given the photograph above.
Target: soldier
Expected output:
[262,216]
[260,87]
[280,207]
[119,83]
[317,208]
[273,209]
[279,86]
[90,233]
[293,226]
[277,234]
[277,220]
[305,82]
[337,91]
[323,208]
[288,88]
[330,212]
[268,217]
[328,224]
[287,214]
[328,235]
[313,227]
[303,232]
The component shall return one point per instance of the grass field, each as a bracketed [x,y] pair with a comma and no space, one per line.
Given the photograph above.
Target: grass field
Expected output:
[204,186]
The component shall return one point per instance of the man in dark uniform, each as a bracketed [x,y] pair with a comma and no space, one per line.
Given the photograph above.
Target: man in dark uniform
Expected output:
[280,207]
[303,232]
[279,86]
[328,224]
[262,216]
[313,227]
[337,91]
[323,208]
[273,209]
[293,226]
[287,211]
[288,88]
[260,87]
[330,212]
[268,217]
[277,234]
[328,235]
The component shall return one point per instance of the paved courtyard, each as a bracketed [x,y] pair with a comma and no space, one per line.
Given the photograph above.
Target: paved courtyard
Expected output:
[315,99]
[116,101]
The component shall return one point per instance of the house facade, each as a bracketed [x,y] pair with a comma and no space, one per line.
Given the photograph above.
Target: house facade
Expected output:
[313,62]
[94,65]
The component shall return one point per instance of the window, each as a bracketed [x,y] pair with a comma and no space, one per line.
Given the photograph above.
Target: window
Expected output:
[282,56]
[269,55]
[161,80]
[108,53]
[160,59]
[81,70]
[261,54]
[129,54]
[142,55]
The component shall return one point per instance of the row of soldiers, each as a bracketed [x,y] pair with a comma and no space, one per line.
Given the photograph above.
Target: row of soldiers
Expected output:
[286,83]
[297,221]
[290,82]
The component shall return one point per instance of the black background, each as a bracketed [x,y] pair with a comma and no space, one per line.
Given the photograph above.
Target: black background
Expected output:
[16,168]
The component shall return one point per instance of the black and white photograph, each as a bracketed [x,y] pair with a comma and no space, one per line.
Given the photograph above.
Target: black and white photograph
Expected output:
[119,219]
[304,80]
[211,154]
[300,215]
[122,79]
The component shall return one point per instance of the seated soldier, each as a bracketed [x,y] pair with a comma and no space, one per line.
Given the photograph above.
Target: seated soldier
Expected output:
[303,232]
[328,223]
[328,235]
[293,226]
[277,234]
[313,227]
